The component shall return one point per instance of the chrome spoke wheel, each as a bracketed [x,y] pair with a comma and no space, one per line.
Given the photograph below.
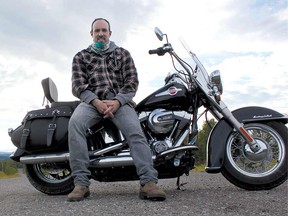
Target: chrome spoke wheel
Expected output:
[50,178]
[263,162]
[52,173]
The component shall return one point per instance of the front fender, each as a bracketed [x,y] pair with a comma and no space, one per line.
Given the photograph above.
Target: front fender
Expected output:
[218,136]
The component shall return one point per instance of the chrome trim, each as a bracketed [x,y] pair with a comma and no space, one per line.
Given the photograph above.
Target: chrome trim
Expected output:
[181,148]
[113,162]
[108,149]
[45,158]
[182,138]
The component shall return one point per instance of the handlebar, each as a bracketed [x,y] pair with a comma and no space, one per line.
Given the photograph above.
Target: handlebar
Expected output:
[161,50]
[167,48]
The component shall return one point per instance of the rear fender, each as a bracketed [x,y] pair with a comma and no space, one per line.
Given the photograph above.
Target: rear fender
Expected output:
[17,154]
[218,137]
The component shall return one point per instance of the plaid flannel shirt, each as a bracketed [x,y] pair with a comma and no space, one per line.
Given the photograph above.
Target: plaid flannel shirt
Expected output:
[113,72]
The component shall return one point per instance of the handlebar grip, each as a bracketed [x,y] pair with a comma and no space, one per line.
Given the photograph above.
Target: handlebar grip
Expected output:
[159,51]
[154,51]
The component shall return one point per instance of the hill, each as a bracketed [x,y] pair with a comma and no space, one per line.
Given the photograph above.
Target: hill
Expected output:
[5,155]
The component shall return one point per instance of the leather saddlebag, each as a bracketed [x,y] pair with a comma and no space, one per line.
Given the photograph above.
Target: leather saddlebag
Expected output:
[44,130]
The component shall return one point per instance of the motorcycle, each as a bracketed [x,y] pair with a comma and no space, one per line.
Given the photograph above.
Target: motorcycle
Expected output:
[248,146]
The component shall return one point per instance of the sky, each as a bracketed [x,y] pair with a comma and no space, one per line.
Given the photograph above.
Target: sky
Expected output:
[246,40]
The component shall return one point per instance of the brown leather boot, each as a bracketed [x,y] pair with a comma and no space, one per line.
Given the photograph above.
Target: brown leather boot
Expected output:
[78,194]
[152,192]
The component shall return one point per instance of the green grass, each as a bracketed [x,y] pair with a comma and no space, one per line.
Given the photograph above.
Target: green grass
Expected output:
[199,168]
[4,176]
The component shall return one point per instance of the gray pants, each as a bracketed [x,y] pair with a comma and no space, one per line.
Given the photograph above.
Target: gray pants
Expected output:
[126,119]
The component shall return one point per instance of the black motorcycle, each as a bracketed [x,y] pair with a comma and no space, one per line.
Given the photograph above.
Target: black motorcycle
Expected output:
[248,146]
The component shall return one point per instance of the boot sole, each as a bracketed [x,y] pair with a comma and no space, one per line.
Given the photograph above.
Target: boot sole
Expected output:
[79,199]
[145,196]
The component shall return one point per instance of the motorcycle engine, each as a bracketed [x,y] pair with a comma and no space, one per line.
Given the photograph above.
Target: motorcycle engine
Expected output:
[160,146]
[161,121]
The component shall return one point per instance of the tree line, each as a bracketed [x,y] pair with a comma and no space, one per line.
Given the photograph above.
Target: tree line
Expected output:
[9,168]
[203,135]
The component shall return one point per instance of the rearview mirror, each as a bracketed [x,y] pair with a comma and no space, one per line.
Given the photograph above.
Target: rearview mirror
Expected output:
[158,33]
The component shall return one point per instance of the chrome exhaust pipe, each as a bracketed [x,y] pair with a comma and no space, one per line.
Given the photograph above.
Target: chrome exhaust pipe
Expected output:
[62,157]
[119,161]
[124,159]
[105,162]
[45,158]
[112,162]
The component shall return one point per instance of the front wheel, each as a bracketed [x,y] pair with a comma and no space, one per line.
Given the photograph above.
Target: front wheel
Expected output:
[261,170]
[50,178]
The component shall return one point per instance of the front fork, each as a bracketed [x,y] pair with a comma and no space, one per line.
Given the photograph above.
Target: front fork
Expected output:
[225,112]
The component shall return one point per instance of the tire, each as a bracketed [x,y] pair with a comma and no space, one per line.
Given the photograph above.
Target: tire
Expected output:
[50,178]
[265,169]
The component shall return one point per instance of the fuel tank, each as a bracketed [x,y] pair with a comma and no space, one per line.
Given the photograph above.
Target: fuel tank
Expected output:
[173,96]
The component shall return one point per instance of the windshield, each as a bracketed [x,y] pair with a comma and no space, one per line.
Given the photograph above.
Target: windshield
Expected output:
[200,72]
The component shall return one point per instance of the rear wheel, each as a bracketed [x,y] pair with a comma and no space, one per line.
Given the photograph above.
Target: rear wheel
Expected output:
[261,170]
[50,178]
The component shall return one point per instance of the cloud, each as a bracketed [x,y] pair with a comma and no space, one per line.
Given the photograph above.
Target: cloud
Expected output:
[258,19]
[59,25]
[254,80]
[38,40]
[246,40]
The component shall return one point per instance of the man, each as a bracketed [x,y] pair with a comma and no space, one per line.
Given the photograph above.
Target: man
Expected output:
[105,79]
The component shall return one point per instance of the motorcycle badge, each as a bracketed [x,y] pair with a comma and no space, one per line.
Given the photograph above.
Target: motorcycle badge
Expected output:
[173,90]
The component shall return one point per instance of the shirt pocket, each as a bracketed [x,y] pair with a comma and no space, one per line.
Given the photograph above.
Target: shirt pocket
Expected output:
[114,64]
[94,67]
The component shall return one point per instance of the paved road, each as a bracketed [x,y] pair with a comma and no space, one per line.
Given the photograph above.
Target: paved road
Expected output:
[204,194]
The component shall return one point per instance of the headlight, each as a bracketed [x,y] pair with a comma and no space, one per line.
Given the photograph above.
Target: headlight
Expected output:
[215,79]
